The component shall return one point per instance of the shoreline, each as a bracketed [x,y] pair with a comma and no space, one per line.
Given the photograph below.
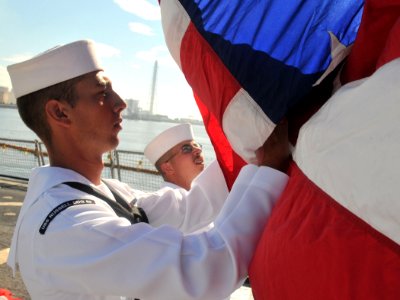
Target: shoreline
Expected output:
[2,105]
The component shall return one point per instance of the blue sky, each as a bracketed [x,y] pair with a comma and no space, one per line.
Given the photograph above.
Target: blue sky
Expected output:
[128,32]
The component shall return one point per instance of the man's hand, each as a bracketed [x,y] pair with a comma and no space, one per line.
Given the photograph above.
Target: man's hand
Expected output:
[275,152]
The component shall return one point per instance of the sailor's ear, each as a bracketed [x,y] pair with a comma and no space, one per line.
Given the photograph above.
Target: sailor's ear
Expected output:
[57,112]
[167,168]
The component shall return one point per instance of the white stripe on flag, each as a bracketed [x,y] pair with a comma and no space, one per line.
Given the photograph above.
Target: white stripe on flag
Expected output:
[175,22]
[245,125]
[351,149]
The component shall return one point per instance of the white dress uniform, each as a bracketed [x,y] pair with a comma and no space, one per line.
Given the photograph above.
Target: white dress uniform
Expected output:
[213,175]
[88,252]
[168,186]
[172,186]
[198,207]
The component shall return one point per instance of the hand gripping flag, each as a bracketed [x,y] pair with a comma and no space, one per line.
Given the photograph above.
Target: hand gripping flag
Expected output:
[249,62]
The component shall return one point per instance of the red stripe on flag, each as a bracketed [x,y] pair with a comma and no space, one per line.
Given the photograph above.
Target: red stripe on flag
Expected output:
[377,40]
[214,87]
[314,248]
[229,161]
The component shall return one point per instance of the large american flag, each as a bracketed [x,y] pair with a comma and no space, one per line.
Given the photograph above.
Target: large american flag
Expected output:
[249,62]
[334,233]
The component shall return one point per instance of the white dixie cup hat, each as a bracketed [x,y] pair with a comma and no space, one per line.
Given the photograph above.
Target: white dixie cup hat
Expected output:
[53,66]
[166,140]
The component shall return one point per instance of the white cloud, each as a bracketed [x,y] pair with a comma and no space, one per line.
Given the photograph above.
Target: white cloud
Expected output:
[159,53]
[140,8]
[104,50]
[141,28]
[16,58]
[134,66]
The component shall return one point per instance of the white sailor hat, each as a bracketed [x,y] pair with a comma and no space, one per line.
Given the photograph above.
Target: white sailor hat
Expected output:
[53,66]
[166,140]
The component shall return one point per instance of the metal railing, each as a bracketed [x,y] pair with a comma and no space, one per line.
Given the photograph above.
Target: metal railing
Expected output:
[19,157]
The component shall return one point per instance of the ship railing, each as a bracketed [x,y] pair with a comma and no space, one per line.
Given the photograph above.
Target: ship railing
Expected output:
[18,157]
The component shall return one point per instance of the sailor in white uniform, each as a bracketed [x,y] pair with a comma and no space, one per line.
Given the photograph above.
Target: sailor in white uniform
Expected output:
[176,155]
[76,237]
[180,159]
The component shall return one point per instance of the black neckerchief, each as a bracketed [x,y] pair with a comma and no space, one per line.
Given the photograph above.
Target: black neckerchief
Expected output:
[133,213]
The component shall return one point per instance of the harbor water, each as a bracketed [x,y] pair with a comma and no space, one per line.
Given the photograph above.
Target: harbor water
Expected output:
[134,136]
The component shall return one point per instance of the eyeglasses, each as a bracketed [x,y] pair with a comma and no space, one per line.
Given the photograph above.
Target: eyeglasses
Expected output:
[186,149]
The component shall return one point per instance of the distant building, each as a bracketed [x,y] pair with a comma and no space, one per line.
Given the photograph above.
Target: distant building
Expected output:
[132,108]
[134,112]
[6,96]
[3,95]
[12,98]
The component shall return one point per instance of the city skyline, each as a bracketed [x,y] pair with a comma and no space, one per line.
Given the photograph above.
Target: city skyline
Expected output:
[129,37]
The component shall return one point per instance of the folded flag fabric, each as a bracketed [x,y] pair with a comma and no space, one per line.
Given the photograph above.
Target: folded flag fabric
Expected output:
[334,232]
[249,62]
